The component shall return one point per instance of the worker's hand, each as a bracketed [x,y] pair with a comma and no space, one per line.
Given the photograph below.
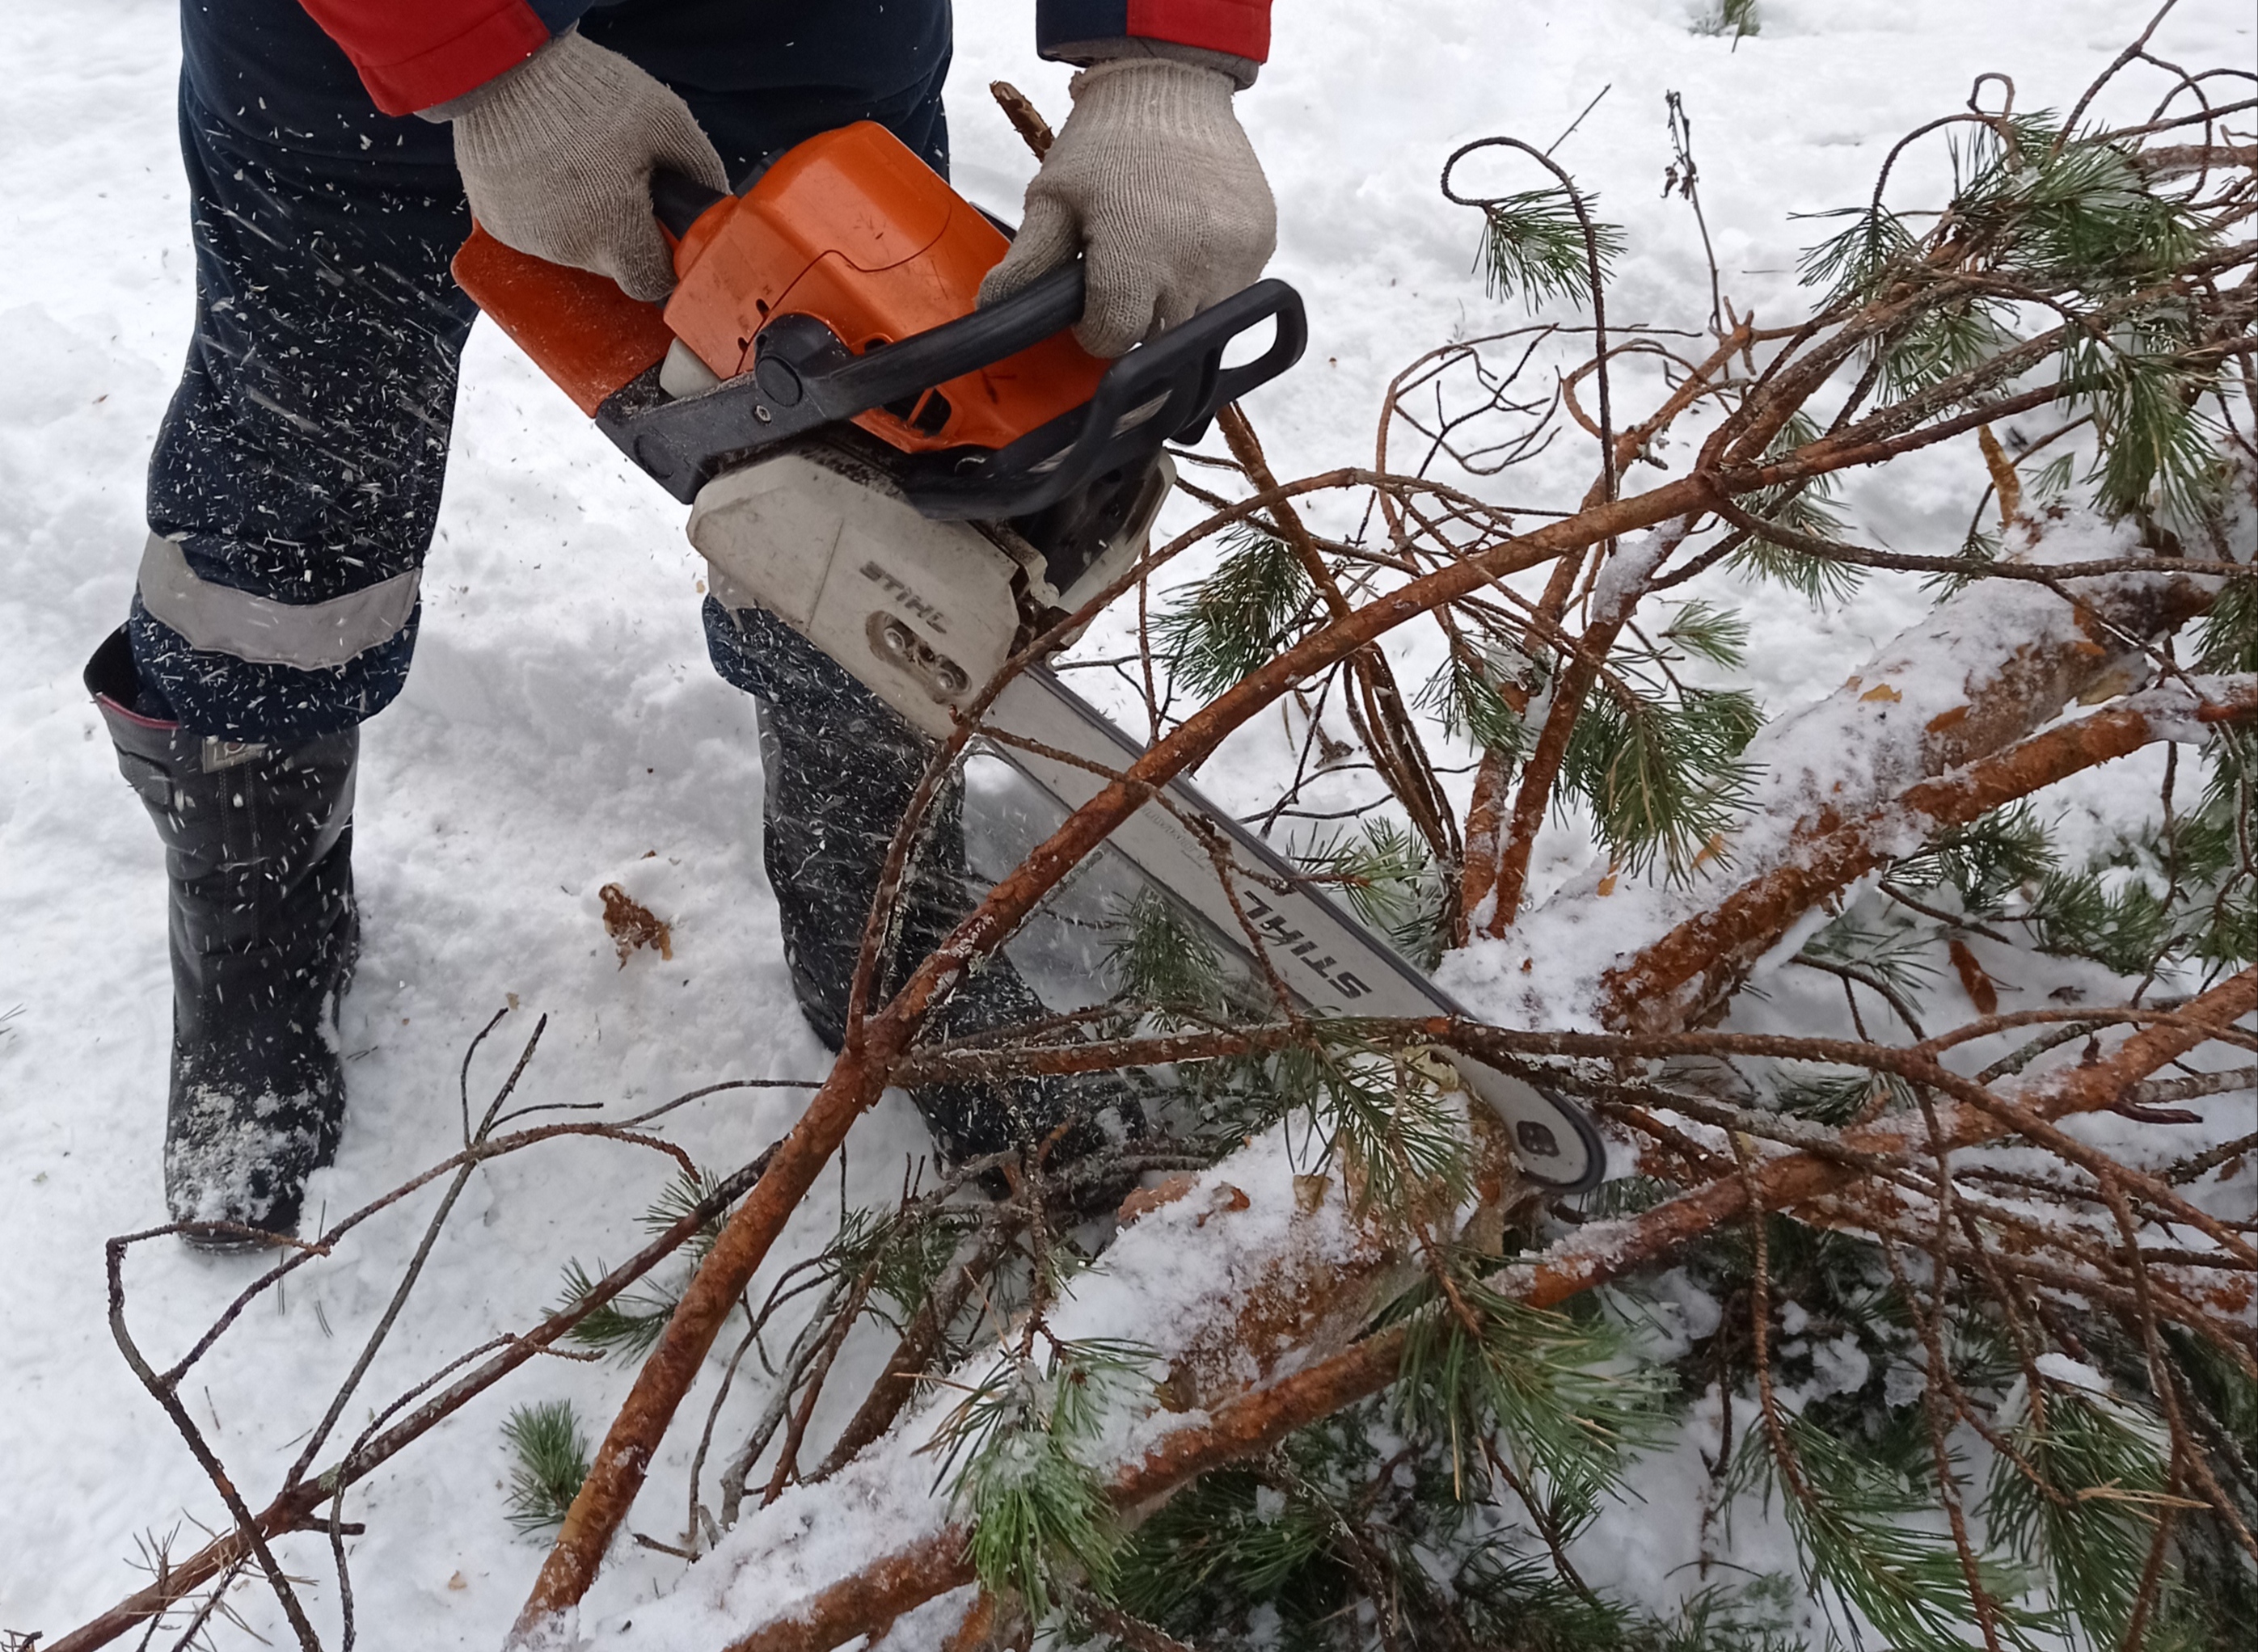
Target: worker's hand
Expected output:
[556,156]
[1153,180]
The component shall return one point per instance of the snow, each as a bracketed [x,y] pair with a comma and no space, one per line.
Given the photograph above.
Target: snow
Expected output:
[563,732]
[2073,1373]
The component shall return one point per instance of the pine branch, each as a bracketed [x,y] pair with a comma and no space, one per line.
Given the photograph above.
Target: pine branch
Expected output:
[1255,1420]
[1697,961]
[1941,294]
[553,1460]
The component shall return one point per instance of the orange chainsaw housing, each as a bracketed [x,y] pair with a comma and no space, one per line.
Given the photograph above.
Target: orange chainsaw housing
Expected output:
[849,228]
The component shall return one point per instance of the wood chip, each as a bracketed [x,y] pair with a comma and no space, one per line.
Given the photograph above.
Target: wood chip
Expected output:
[630,923]
[1142,1200]
[1981,992]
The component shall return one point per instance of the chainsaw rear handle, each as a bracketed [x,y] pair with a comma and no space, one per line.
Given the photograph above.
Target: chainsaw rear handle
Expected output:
[679,200]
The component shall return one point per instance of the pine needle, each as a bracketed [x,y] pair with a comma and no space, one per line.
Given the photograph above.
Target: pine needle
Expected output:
[553,1460]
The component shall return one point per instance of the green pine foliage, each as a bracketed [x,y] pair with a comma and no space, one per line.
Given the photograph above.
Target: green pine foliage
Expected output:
[1894,952]
[1704,630]
[1444,1501]
[2227,639]
[2156,448]
[1556,1393]
[689,1189]
[1240,618]
[2157,898]
[1167,973]
[1656,758]
[1735,19]
[1807,508]
[1231,1543]
[2070,219]
[1952,338]
[1533,248]
[1835,1291]
[1836,1098]
[1162,961]
[1385,1117]
[1016,1454]
[1862,1500]
[907,1251]
[1466,695]
[551,1459]
[1390,881]
[2160,897]
[629,1326]
[1278,1538]
[1985,862]
[1661,773]
[2105,1467]
[2075,212]
[2218,1594]
[1285,1552]
[2111,915]
[1874,1539]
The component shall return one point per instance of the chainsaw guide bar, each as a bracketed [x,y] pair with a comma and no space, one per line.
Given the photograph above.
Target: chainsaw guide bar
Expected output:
[920,487]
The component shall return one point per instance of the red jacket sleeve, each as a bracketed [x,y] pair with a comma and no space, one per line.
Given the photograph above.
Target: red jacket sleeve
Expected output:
[1240,28]
[413,53]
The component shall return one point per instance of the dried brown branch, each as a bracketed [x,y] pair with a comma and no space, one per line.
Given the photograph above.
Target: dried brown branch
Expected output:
[296,1507]
[1385,722]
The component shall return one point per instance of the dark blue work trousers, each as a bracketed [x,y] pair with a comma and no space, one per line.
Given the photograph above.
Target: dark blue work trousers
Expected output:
[299,468]
[302,458]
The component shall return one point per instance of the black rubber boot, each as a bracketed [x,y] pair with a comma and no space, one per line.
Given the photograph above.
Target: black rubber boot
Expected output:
[840,771]
[259,851]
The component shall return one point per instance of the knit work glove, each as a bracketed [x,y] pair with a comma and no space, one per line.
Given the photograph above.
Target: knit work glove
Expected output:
[1153,178]
[556,156]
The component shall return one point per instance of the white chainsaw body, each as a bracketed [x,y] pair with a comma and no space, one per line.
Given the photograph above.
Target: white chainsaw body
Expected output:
[923,613]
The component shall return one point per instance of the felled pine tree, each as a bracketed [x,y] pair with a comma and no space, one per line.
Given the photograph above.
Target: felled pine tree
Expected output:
[1928,1358]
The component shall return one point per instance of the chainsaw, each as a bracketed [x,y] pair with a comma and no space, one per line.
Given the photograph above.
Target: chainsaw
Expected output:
[922,488]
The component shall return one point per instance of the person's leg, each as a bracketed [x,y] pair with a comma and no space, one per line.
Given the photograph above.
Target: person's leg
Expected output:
[295,481]
[840,767]
[839,771]
[292,492]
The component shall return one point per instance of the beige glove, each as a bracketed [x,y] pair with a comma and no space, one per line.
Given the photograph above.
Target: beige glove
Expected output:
[1153,177]
[556,156]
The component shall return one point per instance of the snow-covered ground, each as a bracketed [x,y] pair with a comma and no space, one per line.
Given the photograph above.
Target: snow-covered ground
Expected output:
[550,744]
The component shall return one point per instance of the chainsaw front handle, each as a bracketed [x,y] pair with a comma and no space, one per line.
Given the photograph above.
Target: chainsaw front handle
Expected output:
[901,371]
[917,364]
[803,378]
[679,200]
[1160,392]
